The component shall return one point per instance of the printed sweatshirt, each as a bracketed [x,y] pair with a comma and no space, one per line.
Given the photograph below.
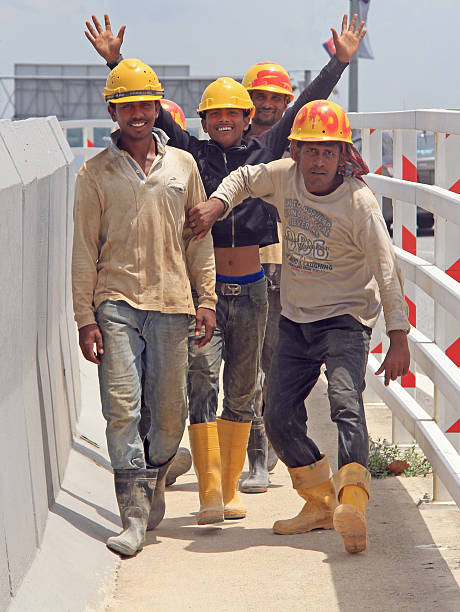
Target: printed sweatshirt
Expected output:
[337,255]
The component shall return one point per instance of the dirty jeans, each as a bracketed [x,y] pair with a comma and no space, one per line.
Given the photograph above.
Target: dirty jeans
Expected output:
[160,341]
[238,338]
[342,343]
[273,275]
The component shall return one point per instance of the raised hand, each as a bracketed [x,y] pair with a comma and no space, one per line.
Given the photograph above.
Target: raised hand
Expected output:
[347,43]
[105,43]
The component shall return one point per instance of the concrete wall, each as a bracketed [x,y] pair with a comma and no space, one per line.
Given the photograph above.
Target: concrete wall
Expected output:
[39,378]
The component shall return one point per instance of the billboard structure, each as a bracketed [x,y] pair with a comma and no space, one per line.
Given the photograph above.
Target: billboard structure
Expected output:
[73,91]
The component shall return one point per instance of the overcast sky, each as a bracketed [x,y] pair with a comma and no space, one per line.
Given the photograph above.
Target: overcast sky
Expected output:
[414,41]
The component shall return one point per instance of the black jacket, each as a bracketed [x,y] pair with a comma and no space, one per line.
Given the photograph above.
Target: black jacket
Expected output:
[253,222]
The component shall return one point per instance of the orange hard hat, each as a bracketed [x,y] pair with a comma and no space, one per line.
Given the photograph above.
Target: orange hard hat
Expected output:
[268,76]
[321,120]
[175,111]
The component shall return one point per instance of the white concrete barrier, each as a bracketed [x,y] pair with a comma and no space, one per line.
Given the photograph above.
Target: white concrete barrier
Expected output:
[39,374]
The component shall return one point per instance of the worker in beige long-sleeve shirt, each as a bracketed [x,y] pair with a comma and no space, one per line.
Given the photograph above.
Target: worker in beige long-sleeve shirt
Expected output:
[339,268]
[134,256]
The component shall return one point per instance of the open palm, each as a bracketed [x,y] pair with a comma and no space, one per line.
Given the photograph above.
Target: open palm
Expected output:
[347,43]
[106,44]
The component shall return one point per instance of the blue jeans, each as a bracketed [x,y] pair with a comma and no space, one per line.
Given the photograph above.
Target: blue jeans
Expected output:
[131,336]
[238,341]
[342,343]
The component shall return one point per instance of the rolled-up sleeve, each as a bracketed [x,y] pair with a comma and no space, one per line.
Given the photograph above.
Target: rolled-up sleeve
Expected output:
[381,258]
[245,182]
[200,253]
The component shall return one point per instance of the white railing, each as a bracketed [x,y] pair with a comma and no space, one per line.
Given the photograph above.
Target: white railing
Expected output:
[435,425]
[432,357]
[89,137]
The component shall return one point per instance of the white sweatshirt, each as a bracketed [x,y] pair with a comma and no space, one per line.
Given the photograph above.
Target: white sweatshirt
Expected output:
[337,255]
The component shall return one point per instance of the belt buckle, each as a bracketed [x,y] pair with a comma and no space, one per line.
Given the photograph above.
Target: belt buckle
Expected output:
[230,289]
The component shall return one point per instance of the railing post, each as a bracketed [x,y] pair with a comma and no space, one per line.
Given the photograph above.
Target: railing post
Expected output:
[371,148]
[447,258]
[405,236]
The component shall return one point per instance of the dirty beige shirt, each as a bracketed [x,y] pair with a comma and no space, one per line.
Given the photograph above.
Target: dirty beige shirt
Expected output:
[337,255]
[132,240]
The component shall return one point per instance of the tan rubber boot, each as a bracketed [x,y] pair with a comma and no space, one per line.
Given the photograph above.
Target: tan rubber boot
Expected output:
[315,485]
[233,442]
[352,482]
[204,443]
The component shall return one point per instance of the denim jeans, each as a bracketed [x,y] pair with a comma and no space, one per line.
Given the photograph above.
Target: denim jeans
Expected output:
[273,274]
[237,340]
[342,343]
[131,336]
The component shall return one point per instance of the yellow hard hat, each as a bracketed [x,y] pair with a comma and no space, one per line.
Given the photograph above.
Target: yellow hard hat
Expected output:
[268,76]
[132,81]
[225,93]
[175,111]
[321,120]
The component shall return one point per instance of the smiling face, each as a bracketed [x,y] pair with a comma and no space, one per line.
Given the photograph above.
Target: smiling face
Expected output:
[318,163]
[269,106]
[225,125]
[135,119]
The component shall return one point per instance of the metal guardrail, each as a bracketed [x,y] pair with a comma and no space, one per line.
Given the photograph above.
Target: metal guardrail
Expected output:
[436,358]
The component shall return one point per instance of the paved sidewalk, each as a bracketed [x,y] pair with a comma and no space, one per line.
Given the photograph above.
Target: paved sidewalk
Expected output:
[412,562]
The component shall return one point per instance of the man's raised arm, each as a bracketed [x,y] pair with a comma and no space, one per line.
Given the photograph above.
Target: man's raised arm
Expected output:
[321,87]
[244,182]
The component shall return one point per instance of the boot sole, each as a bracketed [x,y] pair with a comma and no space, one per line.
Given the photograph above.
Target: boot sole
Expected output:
[280,531]
[231,515]
[254,489]
[351,525]
[118,547]
[210,519]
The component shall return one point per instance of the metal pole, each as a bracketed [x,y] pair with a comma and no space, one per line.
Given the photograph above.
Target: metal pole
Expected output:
[353,68]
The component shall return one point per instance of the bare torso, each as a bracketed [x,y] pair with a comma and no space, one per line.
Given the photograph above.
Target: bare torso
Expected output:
[237,261]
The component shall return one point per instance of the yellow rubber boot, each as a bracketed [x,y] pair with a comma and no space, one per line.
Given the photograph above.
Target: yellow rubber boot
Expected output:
[233,442]
[204,444]
[315,485]
[352,482]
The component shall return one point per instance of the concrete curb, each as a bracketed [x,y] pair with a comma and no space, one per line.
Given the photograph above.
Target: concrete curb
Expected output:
[73,570]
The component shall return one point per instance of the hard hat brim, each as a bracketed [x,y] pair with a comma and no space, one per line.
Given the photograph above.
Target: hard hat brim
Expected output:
[214,106]
[136,99]
[274,89]
[320,139]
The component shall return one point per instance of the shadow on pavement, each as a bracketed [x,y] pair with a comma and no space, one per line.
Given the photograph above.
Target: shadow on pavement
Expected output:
[98,458]
[83,523]
[401,558]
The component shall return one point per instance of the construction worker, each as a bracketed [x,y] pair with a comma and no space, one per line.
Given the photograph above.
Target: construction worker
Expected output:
[219,447]
[182,461]
[269,86]
[339,268]
[133,253]
[175,111]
